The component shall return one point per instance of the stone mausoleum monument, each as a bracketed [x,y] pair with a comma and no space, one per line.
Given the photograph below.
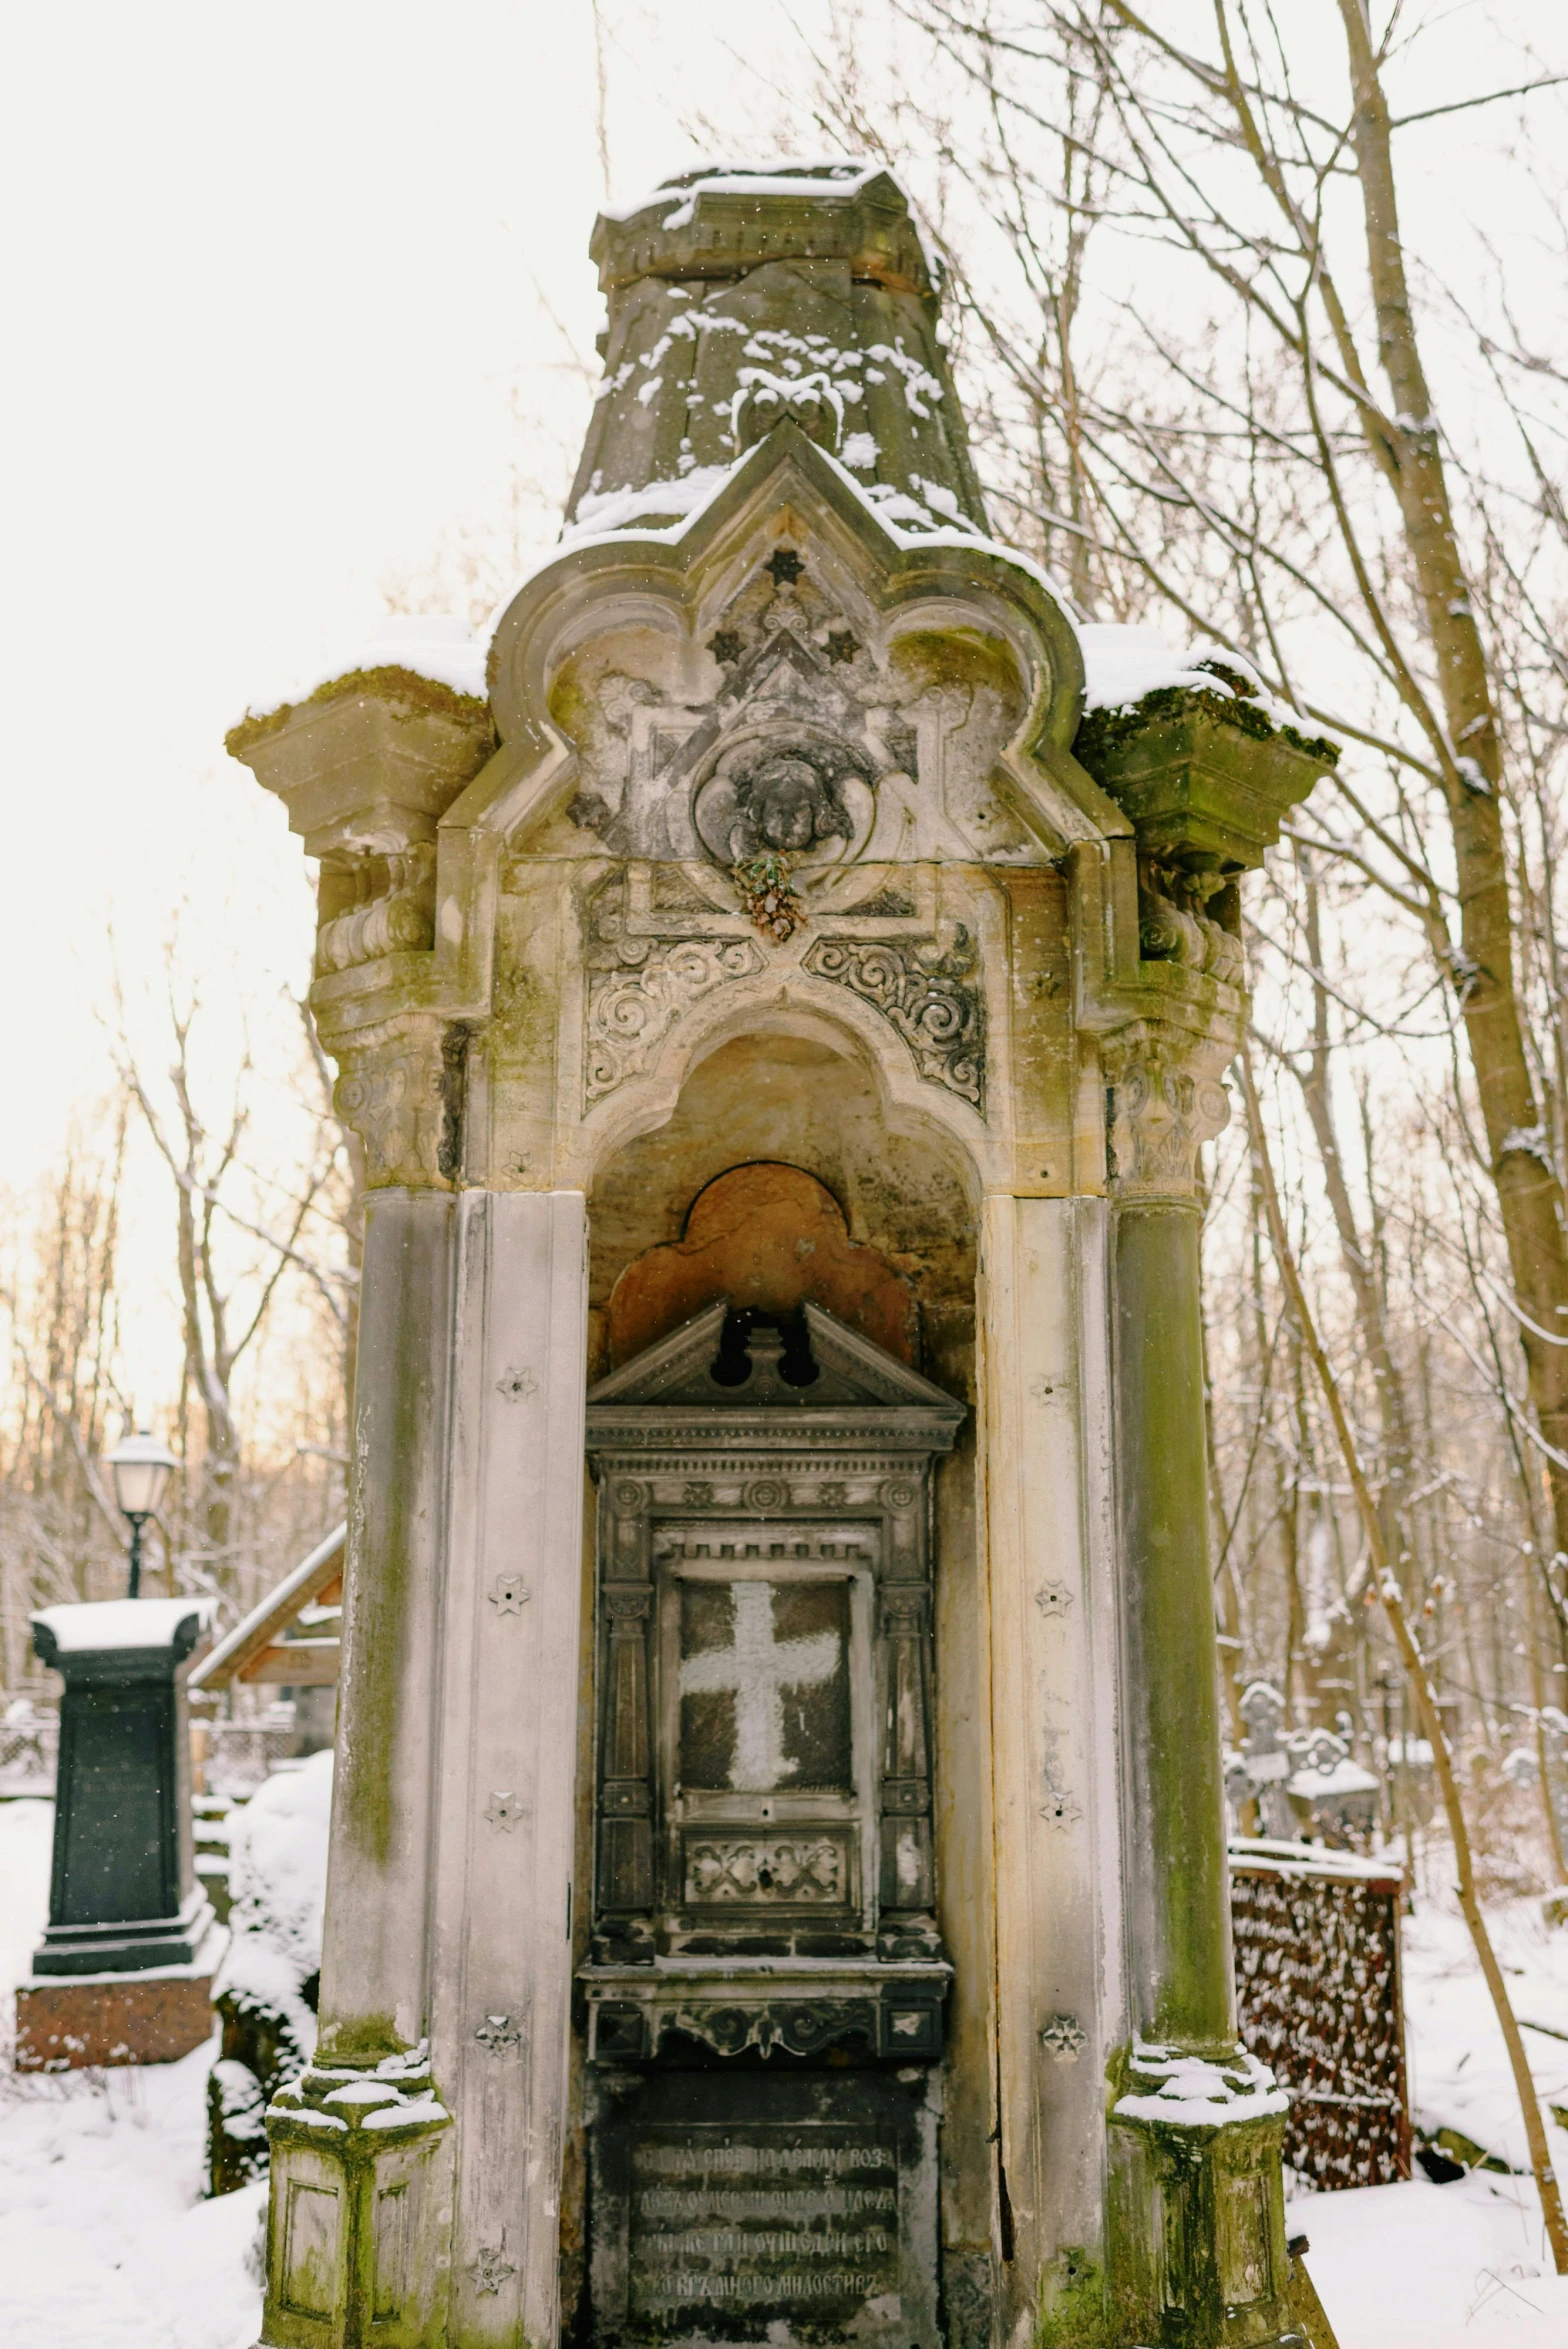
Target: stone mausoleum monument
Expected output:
[777,1886]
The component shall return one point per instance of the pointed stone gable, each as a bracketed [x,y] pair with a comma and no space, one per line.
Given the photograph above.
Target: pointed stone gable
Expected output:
[852,1373]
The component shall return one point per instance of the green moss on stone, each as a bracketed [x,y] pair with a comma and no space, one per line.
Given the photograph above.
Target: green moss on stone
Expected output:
[419,696]
[959,656]
[360,2039]
[1104,732]
[1078,2307]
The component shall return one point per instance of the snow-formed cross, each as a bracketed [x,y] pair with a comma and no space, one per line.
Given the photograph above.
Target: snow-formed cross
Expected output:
[756,1670]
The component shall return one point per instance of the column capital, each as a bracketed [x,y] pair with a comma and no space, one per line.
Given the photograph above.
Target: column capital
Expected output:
[400,1089]
[1165,1099]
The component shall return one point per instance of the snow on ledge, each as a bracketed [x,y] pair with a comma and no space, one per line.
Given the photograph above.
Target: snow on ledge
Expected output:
[610,518]
[773,175]
[1199,2094]
[436,645]
[82,1629]
[1122,664]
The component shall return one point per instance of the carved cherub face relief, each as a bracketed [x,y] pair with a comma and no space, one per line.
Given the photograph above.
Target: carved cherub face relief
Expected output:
[785,804]
[788,800]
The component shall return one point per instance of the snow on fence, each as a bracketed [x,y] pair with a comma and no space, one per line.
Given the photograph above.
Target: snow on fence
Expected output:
[1317,1990]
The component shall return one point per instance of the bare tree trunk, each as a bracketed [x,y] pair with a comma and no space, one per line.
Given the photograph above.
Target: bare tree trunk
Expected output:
[1312,1074]
[1528,1193]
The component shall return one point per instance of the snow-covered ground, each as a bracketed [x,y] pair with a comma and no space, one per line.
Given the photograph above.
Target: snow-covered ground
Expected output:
[106,2244]
[1431,2267]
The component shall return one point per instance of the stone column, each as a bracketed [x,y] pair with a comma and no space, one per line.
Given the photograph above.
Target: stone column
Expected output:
[1197,2201]
[1053,1670]
[446,1972]
[1179,1920]
[504,1897]
[360,2209]
[373,2002]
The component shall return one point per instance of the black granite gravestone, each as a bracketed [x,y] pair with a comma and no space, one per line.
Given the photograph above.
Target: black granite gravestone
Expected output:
[123,1896]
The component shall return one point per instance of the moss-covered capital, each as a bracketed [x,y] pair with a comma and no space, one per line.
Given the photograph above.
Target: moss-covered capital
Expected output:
[1206,777]
[367,766]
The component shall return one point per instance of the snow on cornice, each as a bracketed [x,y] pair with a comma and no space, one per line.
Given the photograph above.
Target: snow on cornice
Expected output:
[611,519]
[773,175]
[436,645]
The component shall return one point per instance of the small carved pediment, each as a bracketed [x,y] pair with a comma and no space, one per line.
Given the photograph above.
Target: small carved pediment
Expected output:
[694,1365]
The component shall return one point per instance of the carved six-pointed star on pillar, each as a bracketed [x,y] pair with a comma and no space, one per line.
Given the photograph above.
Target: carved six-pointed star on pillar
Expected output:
[489,2270]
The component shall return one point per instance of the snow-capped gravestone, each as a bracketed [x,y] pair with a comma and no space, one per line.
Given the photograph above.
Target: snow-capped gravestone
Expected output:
[124,1972]
[788,1003]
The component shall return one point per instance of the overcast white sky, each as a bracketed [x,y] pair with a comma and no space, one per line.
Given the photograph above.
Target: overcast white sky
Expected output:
[271,275]
[275,281]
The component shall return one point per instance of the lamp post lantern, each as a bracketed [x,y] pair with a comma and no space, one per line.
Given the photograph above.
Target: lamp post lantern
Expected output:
[142,1467]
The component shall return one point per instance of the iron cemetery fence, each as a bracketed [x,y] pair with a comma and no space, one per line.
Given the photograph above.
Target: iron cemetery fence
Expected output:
[1318,1998]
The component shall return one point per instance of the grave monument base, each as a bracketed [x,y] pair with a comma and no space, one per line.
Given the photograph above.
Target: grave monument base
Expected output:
[153,2016]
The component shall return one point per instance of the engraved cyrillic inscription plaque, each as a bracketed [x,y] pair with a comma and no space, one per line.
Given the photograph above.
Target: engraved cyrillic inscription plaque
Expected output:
[776,2219]
[780,2207]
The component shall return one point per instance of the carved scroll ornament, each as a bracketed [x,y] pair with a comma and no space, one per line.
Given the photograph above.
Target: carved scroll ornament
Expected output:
[631,1011]
[929,999]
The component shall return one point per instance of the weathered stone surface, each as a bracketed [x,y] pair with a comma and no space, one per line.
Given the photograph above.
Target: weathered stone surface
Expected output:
[780,959]
[740,299]
[764,1237]
[370,763]
[802,2207]
[1207,781]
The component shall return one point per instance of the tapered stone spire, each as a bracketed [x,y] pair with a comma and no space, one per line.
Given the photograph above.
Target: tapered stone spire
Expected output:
[741,296]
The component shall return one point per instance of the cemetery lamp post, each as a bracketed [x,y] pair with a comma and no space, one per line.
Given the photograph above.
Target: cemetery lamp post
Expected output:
[141,1467]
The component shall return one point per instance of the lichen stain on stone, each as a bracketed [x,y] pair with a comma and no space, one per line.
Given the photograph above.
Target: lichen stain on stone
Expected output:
[962,657]
[1077,2309]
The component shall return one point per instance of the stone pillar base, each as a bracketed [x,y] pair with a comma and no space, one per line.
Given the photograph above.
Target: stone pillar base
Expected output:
[1201,2255]
[360,2212]
[69,2022]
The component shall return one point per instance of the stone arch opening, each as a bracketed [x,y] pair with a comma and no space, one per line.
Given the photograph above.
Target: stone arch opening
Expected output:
[780,1177]
[767,1237]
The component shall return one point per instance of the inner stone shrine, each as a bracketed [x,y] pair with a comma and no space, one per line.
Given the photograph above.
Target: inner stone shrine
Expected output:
[777,1886]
